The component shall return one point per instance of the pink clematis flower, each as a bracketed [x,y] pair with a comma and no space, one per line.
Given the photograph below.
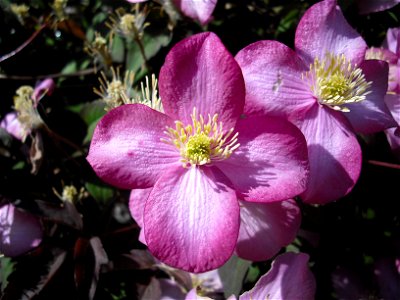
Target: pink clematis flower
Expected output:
[19,231]
[370,6]
[200,10]
[198,157]
[390,52]
[324,87]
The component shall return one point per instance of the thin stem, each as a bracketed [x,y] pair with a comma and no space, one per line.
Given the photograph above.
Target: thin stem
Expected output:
[141,48]
[384,164]
[26,43]
[54,75]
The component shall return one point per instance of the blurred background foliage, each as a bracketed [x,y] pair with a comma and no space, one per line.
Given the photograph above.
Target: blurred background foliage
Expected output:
[91,247]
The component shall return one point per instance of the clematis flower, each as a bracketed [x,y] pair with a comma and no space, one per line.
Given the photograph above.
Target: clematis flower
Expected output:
[370,6]
[19,231]
[324,87]
[390,52]
[199,156]
[195,9]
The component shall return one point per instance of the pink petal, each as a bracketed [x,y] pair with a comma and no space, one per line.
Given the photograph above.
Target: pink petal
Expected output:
[126,150]
[394,78]
[372,114]
[334,154]
[46,86]
[198,10]
[19,231]
[392,41]
[12,125]
[288,278]
[137,200]
[381,53]
[393,134]
[193,76]
[266,227]
[272,73]
[370,6]
[271,162]
[192,219]
[323,29]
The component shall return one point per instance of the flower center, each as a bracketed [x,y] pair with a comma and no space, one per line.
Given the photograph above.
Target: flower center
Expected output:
[335,81]
[202,142]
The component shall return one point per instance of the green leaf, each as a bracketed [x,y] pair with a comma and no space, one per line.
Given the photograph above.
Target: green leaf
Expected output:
[90,131]
[6,268]
[253,274]
[118,49]
[70,67]
[100,193]
[90,111]
[151,43]
[232,275]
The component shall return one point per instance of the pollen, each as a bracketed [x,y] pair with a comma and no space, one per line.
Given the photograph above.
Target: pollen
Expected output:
[335,82]
[202,142]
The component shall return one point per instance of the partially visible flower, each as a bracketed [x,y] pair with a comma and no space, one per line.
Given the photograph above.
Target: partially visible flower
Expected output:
[19,231]
[324,87]
[288,278]
[26,118]
[200,10]
[390,52]
[45,87]
[199,156]
[370,6]
[12,125]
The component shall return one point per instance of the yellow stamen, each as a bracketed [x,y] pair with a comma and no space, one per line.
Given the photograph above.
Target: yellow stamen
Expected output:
[335,81]
[202,142]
